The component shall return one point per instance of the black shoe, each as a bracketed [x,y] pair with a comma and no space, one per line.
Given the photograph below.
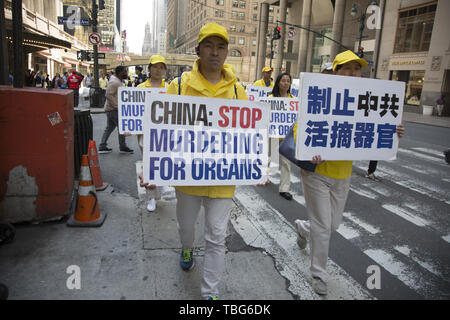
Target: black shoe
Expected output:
[4,292]
[286,195]
[104,150]
[126,150]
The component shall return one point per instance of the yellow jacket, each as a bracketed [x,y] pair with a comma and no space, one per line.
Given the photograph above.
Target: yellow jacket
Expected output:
[332,169]
[194,84]
[261,83]
[147,84]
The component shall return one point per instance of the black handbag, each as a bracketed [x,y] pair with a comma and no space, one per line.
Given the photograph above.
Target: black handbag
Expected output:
[287,149]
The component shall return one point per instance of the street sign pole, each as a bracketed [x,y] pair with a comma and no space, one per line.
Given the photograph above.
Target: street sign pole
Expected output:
[96,98]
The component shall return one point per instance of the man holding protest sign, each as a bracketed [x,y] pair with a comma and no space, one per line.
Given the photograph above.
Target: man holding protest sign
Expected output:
[157,68]
[208,78]
[326,189]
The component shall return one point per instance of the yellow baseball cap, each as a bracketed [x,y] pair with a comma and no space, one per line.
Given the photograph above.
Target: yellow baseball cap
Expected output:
[267,69]
[348,56]
[213,30]
[156,58]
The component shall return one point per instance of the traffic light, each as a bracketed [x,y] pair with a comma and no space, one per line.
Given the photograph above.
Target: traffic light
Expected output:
[361,52]
[276,33]
[101,4]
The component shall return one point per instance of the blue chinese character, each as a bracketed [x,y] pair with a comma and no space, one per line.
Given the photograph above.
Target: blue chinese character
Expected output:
[364,135]
[385,135]
[337,111]
[319,99]
[341,134]
[317,133]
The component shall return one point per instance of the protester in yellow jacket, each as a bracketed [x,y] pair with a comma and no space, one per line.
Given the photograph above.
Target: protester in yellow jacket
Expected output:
[266,80]
[157,68]
[326,191]
[208,78]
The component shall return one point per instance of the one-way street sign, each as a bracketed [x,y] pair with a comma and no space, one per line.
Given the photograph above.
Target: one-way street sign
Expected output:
[80,22]
[85,55]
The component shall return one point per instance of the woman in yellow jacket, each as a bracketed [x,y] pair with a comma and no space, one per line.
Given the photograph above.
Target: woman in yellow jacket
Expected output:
[157,67]
[208,78]
[282,88]
[326,191]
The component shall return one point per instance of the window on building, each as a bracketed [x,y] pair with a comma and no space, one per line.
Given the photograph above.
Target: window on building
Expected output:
[255,17]
[254,43]
[241,40]
[235,53]
[255,6]
[219,2]
[232,40]
[414,29]
[241,16]
[270,9]
[234,14]
[253,53]
[271,19]
[242,29]
[242,4]
[233,28]
[219,13]
[235,3]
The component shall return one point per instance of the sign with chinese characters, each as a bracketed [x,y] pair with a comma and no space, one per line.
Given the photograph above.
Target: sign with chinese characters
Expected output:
[348,118]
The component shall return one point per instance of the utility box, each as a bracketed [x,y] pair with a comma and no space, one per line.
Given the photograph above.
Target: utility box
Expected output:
[36,153]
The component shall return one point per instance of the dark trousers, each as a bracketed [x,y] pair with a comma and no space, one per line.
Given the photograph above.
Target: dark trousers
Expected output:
[372,166]
[112,121]
[76,95]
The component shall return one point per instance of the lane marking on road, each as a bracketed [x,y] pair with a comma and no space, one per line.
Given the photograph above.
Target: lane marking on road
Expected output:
[420,280]
[262,226]
[437,153]
[369,228]
[422,156]
[406,215]
[430,266]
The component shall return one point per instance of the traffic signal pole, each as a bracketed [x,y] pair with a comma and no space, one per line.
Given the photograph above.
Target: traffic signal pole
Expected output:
[94,29]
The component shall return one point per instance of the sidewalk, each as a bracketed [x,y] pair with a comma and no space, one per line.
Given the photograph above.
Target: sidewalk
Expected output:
[134,255]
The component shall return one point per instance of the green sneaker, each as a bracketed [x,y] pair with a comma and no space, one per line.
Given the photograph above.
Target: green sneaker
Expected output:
[186,259]
[212,298]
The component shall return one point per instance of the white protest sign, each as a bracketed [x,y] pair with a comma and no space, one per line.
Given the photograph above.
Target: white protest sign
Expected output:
[254,93]
[131,107]
[198,141]
[348,118]
[283,113]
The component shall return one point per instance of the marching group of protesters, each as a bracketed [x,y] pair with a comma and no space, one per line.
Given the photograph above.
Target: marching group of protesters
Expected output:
[325,190]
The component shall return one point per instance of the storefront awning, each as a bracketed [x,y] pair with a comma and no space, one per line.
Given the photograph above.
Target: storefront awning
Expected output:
[70,60]
[36,42]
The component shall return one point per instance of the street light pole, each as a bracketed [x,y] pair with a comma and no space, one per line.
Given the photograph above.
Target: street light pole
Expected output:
[362,22]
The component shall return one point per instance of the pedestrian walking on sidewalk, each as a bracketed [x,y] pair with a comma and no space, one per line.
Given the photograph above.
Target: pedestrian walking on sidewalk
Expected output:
[112,115]
[157,67]
[326,190]
[208,78]
[282,88]
[74,82]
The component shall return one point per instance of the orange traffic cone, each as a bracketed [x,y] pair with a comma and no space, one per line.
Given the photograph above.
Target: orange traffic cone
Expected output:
[95,167]
[87,213]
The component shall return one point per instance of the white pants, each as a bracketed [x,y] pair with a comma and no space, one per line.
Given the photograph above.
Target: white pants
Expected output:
[285,168]
[217,215]
[325,201]
[285,174]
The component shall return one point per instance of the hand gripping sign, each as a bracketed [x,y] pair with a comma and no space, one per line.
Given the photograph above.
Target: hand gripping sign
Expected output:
[198,141]
[283,113]
[348,118]
[131,107]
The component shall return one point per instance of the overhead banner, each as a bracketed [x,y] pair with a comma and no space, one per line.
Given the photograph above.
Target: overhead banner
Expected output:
[283,113]
[198,141]
[348,118]
[131,106]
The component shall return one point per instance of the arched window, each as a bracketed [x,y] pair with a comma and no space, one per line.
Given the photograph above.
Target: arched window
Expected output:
[235,53]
